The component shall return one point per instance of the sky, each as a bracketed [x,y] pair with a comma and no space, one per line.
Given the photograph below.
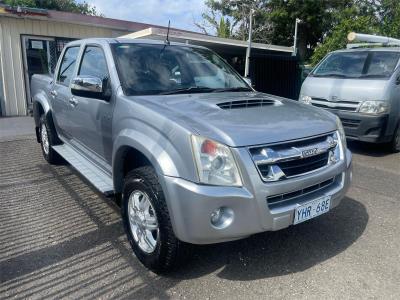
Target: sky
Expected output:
[182,13]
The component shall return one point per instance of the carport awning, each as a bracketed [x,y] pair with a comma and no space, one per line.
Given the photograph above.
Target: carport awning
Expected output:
[216,43]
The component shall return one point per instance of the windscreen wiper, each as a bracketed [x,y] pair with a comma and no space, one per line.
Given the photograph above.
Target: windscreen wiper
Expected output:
[233,89]
[373,76]
[333,75]
[192,89]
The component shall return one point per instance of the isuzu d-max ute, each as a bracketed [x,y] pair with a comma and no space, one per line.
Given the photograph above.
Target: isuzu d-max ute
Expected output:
[194,154]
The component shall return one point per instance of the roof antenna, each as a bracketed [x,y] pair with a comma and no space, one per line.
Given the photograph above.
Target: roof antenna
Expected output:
[166,42]
[167,38]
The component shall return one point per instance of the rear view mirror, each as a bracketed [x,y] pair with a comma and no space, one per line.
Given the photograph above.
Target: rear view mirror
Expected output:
[88,86]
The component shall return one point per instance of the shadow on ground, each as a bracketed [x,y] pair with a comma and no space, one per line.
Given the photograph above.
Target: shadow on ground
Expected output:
[45,255]
[370,149]
[292,250]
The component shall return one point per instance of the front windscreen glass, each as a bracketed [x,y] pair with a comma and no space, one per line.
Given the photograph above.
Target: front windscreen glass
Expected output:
[151,69]
[358,64]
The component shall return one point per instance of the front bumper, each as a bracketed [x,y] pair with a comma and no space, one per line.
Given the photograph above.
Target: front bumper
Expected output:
[190,204]
[366,128]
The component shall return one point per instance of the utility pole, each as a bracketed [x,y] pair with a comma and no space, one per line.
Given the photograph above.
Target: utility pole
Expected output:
[294,53]
[248,51]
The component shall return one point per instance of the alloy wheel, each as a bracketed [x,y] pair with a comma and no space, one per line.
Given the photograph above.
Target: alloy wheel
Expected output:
[45,139]
[143,221]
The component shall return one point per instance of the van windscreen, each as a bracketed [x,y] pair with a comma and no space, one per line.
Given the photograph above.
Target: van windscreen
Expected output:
[358,64]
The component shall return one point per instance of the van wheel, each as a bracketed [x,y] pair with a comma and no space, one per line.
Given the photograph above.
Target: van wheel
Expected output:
[147,222]
[47,137]
[395,144]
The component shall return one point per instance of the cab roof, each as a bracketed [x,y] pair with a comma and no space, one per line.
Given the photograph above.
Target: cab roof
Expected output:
[128,41]
[361,49]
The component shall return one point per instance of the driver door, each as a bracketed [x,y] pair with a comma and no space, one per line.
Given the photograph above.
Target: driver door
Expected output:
[93,116]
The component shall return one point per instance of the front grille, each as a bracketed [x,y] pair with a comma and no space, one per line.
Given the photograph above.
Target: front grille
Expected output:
[304,165]
[342,105]
[336,107]
[278,199]
[247,103]
[350,123]
[282,161]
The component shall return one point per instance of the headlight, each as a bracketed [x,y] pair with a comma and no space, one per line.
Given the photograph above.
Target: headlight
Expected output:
[215,163]
[342,136]
[306,99]
[374,107]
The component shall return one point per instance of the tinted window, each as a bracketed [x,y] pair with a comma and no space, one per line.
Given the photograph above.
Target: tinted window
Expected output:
[349,64]
[156,69]
[94,63]
[68,66]
[383,63]
[358,64]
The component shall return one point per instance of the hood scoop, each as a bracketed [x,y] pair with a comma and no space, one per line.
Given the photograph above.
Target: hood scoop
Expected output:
[239,104]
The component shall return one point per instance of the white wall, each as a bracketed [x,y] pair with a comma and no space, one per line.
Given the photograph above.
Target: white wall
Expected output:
[13,95]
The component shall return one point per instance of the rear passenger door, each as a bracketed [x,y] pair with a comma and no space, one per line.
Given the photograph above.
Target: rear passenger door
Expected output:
[93,116]
[61,93]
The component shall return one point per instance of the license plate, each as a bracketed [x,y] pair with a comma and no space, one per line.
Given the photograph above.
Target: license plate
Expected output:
[312,209]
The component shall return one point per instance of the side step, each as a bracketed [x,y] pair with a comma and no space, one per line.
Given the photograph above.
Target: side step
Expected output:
[102,181]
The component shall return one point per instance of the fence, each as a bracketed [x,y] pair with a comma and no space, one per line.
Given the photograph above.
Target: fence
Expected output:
[277,75]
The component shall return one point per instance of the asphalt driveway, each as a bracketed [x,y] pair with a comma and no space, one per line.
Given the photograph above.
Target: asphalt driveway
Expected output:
[60,239]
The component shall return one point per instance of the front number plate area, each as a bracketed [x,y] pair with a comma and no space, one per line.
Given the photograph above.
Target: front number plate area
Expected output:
[312,209]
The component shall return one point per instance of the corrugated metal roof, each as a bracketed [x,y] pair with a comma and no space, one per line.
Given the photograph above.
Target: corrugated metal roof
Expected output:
[76,18]
[200,39]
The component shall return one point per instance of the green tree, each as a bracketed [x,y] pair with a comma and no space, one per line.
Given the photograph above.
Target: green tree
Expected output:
[347,21]
[222,27]
[337,39]
[389,12]
[316,19]
[62,5]
[239,12]
[274,20]
[380,17]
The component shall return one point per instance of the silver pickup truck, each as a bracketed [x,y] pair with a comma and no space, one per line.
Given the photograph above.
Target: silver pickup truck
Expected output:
[192,152]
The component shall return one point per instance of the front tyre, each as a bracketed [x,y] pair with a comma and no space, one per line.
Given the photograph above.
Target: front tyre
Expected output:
[147,222]
[47,140]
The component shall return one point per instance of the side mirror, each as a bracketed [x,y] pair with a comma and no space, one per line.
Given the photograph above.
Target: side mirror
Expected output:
[397,80]
[248,80]
[88,86]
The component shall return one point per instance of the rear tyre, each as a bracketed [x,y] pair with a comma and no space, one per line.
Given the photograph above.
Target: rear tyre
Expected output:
[147,222]
[47,140]
[395,144]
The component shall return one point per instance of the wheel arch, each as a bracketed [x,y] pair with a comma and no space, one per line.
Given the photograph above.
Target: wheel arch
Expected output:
[136,152]
[40,106]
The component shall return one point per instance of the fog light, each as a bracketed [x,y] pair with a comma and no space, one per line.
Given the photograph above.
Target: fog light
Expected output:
[222,217]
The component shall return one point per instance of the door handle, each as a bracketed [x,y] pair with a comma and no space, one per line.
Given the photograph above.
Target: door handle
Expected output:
[73,101]
[53,93]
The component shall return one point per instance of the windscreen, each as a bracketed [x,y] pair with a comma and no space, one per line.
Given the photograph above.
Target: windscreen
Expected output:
[150,69]
[358,64]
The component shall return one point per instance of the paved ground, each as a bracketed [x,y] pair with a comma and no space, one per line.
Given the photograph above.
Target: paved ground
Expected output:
[15,127]
[60,239]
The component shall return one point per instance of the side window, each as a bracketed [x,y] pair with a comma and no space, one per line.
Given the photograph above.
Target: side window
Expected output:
[67,66]
[94,63]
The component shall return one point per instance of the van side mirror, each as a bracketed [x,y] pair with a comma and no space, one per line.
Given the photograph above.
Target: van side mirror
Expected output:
[88,86]
[248,81]
[397,80]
